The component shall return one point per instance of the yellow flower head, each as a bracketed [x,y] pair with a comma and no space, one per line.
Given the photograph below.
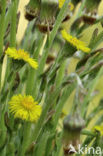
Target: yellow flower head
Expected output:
[75,42]
[21,55]
[61,2]
[24,107]
[99,129]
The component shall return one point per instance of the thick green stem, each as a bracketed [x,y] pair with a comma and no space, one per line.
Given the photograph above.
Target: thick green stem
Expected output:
[32,73]
[2,31]
[2,25]
[30,81]
[7,17]
[42,145]
[59,144]
[3,130]
[13,24]
[59,77]
[60,74]
[26,139]
[44,56]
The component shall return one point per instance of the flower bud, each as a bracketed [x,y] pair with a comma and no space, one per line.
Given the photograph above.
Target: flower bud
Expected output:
[47,15]
[32,9]
[92,6]
[50,59]
[91,11]
[72,125]
[88,19]
[71,6]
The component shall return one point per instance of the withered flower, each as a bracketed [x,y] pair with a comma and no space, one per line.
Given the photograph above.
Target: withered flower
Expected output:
[72,125]
[47,15]
[32,9]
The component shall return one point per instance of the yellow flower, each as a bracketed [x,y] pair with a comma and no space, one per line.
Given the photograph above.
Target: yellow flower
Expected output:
[75,42]
[21,55]
[99,129]
[24,107]
[61,2]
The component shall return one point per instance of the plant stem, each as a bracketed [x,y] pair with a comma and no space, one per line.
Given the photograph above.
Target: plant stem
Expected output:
[13,24]
[59,78]
[26,139]
[32,77]
[88,133]
[59,144]
[46,106]
[30,81]
[2,25]
[3,130]
[81,9]
[42,145]
[7,17]
[3,73]
[2,31]
[58,110]
[13,14]
[10,92]
[91,89]
[60,74]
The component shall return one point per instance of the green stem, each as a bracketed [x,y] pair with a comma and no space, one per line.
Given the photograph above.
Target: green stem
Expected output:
[59,144]
[30,81]
[59,78]
[26,139]
[88,133]
[3,152]
[5,108]
[7,17]
[59,59]
[28,34]
[46,106]
[60,74]
[60,105]
[29,87]
[2,31]
[81,9]
[2,25]
[32,73]
[13,24]
[3,130]
[91,89]
[42,145]
[5,105]
[41,45]
[43,58]
[11,146]
[13,14]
